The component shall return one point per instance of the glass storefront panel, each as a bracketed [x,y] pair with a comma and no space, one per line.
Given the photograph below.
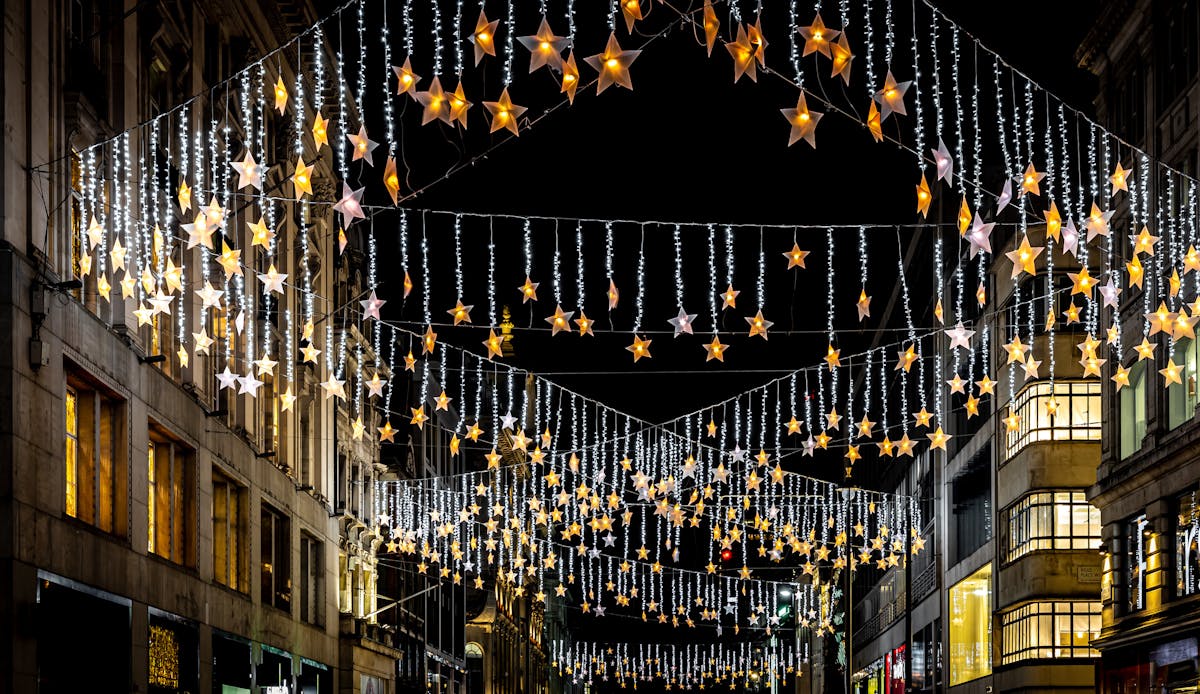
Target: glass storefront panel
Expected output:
[970,654]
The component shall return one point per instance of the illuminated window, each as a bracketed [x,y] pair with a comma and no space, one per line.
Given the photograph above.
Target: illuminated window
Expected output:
[1181,399]
[1078,417]
[95,479]
[229,513]
[1051,520]
[1187,546]
[1132,411]
[1135,562]
[970,654]
[276,548]
[311,551]
[1050,630]
[171,498]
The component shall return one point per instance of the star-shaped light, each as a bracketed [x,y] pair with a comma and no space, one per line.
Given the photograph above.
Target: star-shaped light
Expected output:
[729,298]
[1145,350]
[1172,374]
[249,173]
[320,131]
[1120,376]
[350,205]
[310,353]
[906,358]
[145,315]
[559,320]
[302,179]
[249,385]
[743,56]
[833,357]
[817,37]
[959,336]
[362,146]
[584,324]
[484,36]
[891,97]
[923,418]
[632,11]
[1119,179]
[199,232]
[406,79]
[842,56]
[428,340]
[1030,180]
[203,341]
[371,306]
[1024,257]
[711,26]
[1097,222]
[281,95]
[924,196]
[759,325]
[504,112]
[493,344]
[1031,367]
[938,439]
[715,350]
[436,105]
[640,348]
[260,233]
[613,65]
[544,47]
[1160,319]
[803,122]
[230,260]
[682,322]
[272,280]
[944,162]
[863,305]
[418,417]
[227,379]
[612,294]
[570,77]
[461,313]
[185,204]
[1082,282]
[528,290]
[1144,242]
[334,388]
[980,235]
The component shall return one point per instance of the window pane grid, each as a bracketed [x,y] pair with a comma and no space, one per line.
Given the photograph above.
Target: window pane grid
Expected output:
[1078,417]
[1060,629]
[1051,520]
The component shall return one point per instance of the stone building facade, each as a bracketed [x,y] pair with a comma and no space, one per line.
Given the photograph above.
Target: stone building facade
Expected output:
[160,534]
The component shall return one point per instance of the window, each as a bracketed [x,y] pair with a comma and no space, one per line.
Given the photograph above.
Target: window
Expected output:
[970,655]
[1181,398]
[1050,630]
[1135,562]
[1187,546]
[311,564]
[171,498]
[1077,418]
[229,531]
[276,547]
[1132,412]
[95,479]
[1051,520]
[971,499]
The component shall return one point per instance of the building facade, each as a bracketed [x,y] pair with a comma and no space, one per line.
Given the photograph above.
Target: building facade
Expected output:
[1006,595]
[1146,55]
[161,533]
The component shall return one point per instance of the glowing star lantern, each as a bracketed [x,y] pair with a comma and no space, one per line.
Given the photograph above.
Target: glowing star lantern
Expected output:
[350,205]
[570,77]
[461,313]
[729,298]
[613,65]
[944,162]
[484,37]
[613,295]
[391,180]
[715,350]
[1119,179]
[1023,257]
[759,325]
[230,260]
[711,26]
[906,359]
[406,79]
[362,145]
[320,131]
[1121,376]
[842,57]
[795,257]
[528,290]
[371,306]
[504,113]
[742,52]
[302,179]
[273,280]
[640,348]
[632,11]
[924,196]
[544,47]
[249,173]
[260,233]
[964,217]
[436,105]
[1144,242]
[584,324]
[682,323]
[185,204]
[1082,282]
[758,40]
[891,97]
[817,37]
[803,122]
[559,321]
[387,433]
[199,232]
[1030,180]
[863,305]
[874,122]
[493,344]
[833,357]
[281,95]
[1172,374]
[1097,222]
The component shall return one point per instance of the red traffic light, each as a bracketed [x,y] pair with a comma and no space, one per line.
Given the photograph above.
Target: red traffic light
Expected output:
[726,554]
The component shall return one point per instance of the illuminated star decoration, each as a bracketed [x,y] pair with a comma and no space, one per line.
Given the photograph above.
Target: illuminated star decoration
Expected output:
[863,305]
[743,56]
[350,206]
[406,79]
[559,320]
[371,306]
[320,131]
[484,37]
[803,121]
[436,105]
[944,162]
[817,37]
[544,47]
[759,325]
[249,174]
[959,336]
[570,77]
[640,348]
[682,322]
[272,280]
[1030,180]
[302,179]
[362,145]
[281,95]
[729,298]
[461,313]
[715,350]
[842,57]
[613,65]
[891,97]
[632,11]
[504,113]
[980,236]
[1023,257]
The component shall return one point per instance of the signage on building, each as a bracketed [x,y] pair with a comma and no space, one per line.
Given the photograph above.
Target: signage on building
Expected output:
[1087,574]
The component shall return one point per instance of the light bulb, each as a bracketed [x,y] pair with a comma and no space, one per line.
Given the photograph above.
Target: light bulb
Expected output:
[612,63]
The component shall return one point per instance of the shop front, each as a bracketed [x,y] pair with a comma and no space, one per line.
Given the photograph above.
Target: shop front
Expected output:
[172,654]
[233,664]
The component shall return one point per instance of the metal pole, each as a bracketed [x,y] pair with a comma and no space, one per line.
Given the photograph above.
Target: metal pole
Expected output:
[848,596]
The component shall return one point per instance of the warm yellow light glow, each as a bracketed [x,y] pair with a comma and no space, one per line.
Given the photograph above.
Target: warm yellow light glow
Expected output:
[612,63]
[483,36]
[568,78]
[544,45]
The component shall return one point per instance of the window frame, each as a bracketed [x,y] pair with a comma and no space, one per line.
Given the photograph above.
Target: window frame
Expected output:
[960,594]
[100,495]
[1022,628]
[1023,522]
[274,530]
[178,498]
[230,570]
[1035,426]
